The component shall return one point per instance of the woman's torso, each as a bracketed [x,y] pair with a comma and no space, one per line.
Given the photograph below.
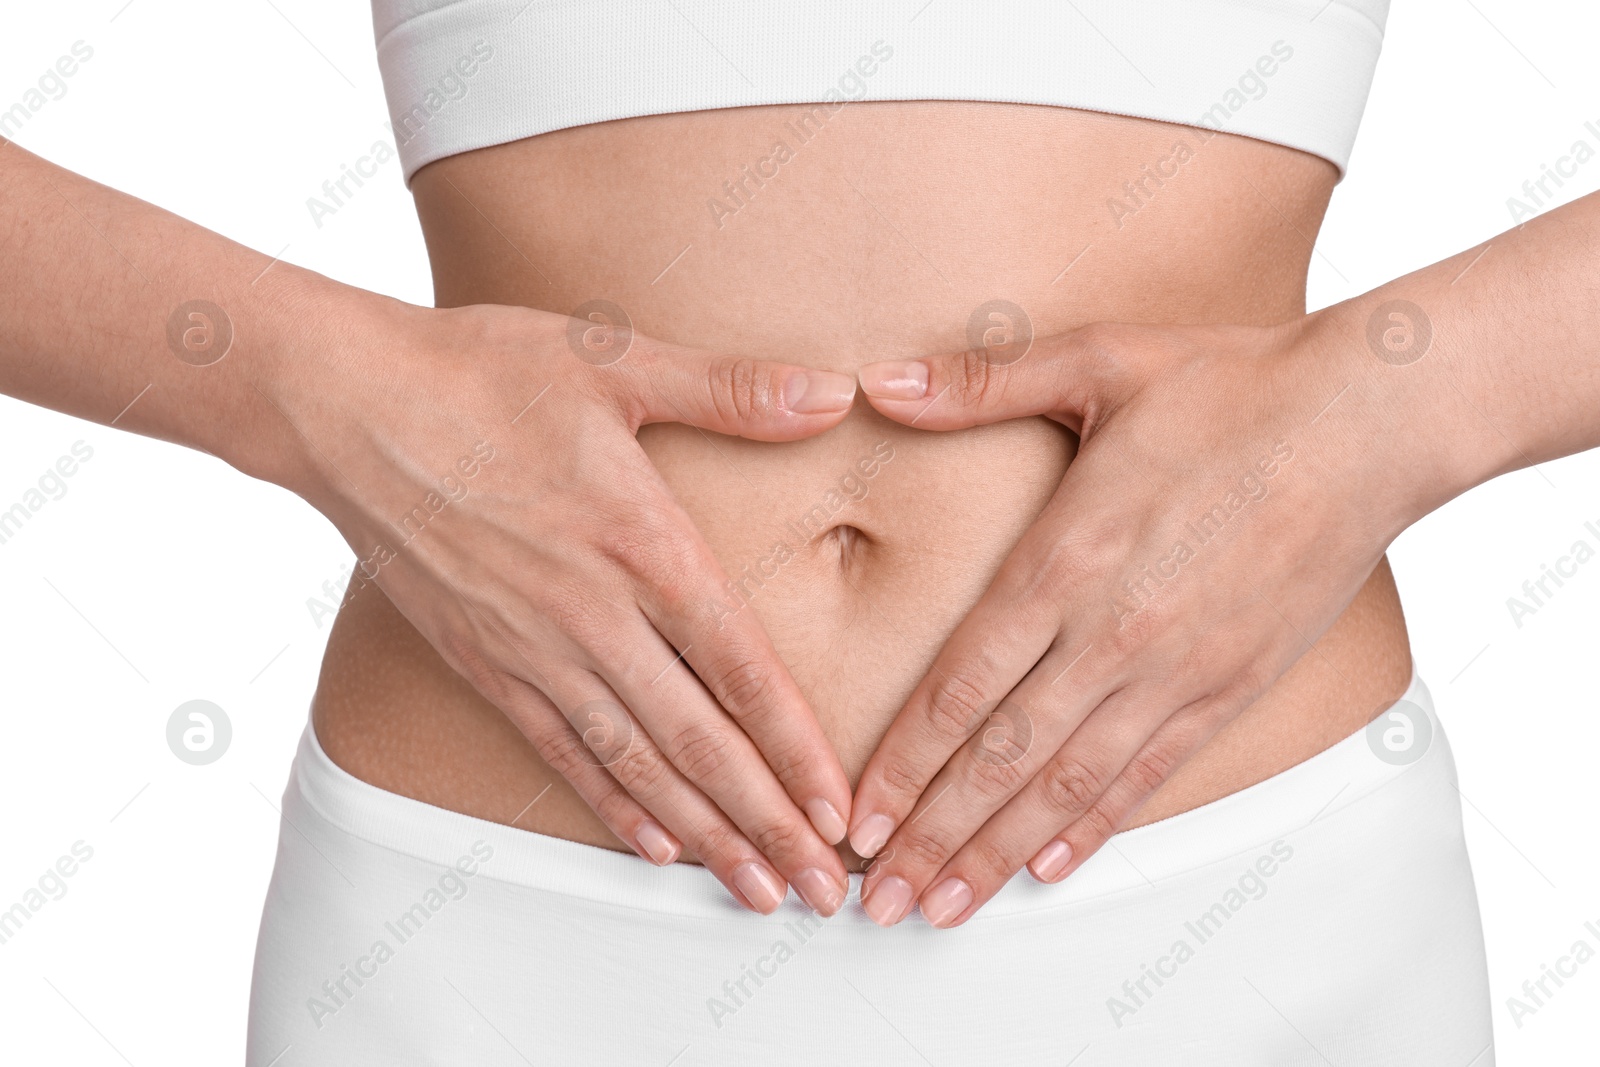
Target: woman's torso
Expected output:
[874,234]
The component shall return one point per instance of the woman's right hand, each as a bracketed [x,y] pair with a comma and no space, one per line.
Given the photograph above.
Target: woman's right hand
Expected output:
[482,462]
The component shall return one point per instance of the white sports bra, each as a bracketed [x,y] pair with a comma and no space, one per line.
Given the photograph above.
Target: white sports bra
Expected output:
[464,74]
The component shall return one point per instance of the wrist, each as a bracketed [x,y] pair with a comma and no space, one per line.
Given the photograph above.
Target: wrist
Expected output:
[1394,407]
[322,340]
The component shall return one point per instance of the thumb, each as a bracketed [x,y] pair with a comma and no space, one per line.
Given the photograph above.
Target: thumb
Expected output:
[755,398]
[1069,377]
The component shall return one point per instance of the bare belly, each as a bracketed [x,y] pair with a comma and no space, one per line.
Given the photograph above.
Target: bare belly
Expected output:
[875,236]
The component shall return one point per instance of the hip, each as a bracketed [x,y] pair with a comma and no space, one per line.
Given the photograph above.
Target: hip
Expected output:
[1265,927]
[857,639]
[889,239]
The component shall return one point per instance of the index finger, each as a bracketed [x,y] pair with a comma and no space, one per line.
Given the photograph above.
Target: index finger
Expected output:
[729,650]
[1001,639]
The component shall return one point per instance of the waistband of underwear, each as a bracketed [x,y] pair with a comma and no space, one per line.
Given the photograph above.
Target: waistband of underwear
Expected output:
[1328,788]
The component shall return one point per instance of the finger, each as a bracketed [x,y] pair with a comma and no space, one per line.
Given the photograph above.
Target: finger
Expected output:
[680,587]
[1067,793]
[1067,377]
[711,751]
[610,738]
[1168,748]
[581,730]
[754,398]
[563,749]
[978,782]
[1071,785]
[1000,640]
[1019,619]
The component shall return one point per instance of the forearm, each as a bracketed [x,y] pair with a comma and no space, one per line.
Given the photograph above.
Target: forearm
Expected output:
[382,415]
[94,321]
[1510,376]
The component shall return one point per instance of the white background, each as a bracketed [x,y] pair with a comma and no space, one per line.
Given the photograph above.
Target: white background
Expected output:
[163,576]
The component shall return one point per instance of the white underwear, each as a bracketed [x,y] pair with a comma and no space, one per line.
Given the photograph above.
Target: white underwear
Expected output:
[1326,915]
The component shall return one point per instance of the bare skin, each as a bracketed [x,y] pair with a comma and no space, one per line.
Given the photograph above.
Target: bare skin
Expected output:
[571,569]
[543,559]
[875,242]
[1111,683]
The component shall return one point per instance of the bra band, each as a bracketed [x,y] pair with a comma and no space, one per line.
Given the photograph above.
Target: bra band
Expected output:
[465,74]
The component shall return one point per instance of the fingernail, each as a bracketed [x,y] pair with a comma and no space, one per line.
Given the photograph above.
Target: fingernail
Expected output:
[819,891]
[945,901]
[1051,861]
[871,834]
[760,888]
[813,391]
[894,381]
[825,817]
[656,843]
[889,901]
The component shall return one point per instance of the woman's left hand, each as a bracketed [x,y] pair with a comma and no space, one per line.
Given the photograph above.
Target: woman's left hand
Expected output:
[1234,488]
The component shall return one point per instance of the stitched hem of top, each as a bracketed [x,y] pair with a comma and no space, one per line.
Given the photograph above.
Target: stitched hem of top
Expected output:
[514,132]
[520,106]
